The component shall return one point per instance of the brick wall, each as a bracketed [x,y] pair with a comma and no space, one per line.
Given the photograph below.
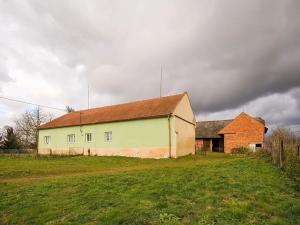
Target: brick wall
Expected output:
[199,143]
[241,132]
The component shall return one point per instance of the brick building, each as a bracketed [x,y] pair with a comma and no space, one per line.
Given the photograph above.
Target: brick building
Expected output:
[224,135]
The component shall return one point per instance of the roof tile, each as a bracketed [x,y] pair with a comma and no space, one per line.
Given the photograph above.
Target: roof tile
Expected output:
[133,110]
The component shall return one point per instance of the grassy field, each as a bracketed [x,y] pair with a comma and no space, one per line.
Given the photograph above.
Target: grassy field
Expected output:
[212,189]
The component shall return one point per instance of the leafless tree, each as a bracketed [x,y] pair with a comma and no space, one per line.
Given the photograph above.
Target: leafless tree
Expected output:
[282,134]
[27,126]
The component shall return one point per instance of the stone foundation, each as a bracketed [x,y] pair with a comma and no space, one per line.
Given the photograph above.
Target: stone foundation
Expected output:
[129,152]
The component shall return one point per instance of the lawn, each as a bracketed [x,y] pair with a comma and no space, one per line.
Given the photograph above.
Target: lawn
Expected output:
[212,189]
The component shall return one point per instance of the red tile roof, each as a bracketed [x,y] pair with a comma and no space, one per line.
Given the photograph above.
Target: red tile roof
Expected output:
[128,111]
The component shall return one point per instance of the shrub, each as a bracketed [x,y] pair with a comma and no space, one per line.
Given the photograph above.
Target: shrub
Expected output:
[240,151]
[263,152]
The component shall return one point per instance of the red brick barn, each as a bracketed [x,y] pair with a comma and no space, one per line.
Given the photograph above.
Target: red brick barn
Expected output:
[224,135]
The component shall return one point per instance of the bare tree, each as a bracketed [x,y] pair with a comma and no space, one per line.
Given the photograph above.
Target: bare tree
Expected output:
[27,126]
[282,134]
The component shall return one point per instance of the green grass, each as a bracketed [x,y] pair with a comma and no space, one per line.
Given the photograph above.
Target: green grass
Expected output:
[212,189]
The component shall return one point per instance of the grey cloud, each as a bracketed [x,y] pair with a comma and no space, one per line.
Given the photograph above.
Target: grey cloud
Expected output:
[225,54]
[4,77]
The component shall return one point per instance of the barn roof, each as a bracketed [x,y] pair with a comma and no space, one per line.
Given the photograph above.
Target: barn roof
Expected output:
[210,129]
[127,111]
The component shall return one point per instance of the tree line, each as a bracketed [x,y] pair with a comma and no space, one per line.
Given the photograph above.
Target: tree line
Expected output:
[24,133]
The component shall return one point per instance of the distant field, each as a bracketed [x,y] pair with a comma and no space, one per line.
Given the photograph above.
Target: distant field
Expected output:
[212,189]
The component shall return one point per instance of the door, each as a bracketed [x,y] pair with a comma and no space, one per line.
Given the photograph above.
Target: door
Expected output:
[206,144]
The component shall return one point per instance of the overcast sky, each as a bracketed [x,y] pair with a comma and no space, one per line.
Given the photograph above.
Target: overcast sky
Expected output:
[230,56]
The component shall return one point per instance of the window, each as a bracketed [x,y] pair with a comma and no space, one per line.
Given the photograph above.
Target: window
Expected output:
[47,140]
[88,137]
[258,145]
[71,138]
[108,136]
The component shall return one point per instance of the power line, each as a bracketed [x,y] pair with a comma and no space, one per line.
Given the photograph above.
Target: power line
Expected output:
[30,103]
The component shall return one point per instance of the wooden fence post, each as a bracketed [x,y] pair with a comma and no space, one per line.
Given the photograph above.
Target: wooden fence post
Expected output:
[281,154]
[273,154]
[298,151]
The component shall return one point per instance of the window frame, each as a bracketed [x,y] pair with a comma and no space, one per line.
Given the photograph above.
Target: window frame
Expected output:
[68,138]
[86,137]
[47,140]
[108,136]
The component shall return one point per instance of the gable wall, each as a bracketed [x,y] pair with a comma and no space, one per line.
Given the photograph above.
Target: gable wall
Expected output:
[185,137]
[185,128]
[184,110]
[241,132]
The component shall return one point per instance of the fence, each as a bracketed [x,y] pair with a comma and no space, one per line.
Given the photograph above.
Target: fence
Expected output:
[285,155]
[281,152]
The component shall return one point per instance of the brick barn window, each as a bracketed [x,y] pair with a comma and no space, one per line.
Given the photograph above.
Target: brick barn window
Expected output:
[88,137]
[47,140]
[108,136]
[71,138]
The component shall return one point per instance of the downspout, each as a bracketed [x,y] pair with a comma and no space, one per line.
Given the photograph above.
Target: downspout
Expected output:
[170,136]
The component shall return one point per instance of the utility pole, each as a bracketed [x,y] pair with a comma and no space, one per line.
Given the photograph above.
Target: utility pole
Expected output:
[37,128]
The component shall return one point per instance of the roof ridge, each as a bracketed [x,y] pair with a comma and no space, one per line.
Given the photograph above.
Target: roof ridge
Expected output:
[258,117]
[213,120]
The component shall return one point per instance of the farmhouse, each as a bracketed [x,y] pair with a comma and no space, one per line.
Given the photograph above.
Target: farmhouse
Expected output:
[153,128]
[224,135]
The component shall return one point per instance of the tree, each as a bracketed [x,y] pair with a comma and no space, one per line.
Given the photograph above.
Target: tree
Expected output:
[281,134]
[9,139]
[27,126]
[2,133]
[69,109]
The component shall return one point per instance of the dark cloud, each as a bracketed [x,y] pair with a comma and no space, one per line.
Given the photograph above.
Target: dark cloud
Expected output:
[227,54]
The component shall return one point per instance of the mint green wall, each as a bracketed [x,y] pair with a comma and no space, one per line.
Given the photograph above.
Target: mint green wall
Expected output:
[126,134]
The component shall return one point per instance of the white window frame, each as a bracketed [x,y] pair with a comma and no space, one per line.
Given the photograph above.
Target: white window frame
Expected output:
[108,136]
[86,137]
[47,140]
[71,138]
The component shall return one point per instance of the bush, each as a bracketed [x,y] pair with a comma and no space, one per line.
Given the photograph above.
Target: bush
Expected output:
[240,151]
[263,152]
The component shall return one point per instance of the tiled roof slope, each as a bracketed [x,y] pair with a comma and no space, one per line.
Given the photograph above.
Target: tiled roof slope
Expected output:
[133,110]
[210,129]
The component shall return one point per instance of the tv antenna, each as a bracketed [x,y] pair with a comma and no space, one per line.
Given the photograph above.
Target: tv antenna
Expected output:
[161,74]
[88,96]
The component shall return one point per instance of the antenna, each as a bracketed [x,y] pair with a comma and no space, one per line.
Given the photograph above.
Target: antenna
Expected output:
[161,71]
[88,96]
